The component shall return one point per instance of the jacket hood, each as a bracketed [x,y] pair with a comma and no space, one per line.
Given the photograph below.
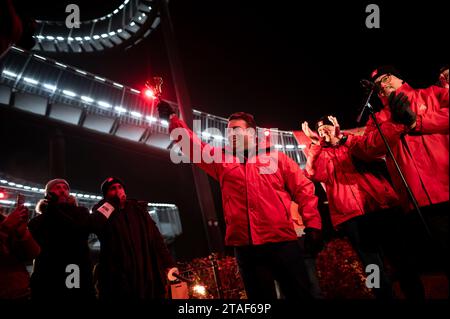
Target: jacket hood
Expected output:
[41,206]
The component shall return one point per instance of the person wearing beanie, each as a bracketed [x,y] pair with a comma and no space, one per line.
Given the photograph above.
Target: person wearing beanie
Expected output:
[107,183]
[58,187]
[60,232]
[360,200]
[134,261]
[422,155]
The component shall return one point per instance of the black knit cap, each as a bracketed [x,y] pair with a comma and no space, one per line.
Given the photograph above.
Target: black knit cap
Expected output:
[385,69]
[323,121]
[107,183]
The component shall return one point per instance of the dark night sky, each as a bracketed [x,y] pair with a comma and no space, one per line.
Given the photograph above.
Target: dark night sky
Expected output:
[285,62]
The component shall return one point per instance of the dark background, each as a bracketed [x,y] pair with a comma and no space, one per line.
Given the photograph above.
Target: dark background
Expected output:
[285,62]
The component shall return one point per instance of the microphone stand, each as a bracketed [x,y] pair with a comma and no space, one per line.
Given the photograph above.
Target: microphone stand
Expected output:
[391,155]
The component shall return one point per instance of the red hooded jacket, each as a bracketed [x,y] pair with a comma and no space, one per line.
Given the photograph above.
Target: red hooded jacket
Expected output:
[353,191]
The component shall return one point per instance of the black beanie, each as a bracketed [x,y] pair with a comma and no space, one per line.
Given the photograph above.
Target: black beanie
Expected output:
[385,69]
[107,183]
[323,121]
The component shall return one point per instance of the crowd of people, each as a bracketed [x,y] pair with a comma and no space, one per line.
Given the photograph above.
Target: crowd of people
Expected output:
[134,262]
[271,244]
[374,211]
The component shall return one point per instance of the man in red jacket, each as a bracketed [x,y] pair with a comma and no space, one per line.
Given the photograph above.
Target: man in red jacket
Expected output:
[257,190]
[422,153]
[361,200]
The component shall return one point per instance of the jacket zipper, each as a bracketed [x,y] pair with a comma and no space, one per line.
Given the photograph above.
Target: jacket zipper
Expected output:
[250,241]
[282,204]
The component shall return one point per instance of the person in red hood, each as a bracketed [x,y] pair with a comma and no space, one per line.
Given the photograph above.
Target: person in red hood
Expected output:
[361,200]
[422,154]
[257,189]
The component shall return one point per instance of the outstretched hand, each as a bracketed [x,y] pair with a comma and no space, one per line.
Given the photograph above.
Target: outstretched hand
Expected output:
[165,110]
[309,133]
[337,127]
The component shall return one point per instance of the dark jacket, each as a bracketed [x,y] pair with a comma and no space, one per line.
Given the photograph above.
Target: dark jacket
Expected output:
[63,242]
[133,257]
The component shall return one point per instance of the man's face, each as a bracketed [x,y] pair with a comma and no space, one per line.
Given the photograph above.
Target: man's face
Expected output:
[443,79]
[384,84]
[239,135]
[61,191]
[326,132]
[116,190]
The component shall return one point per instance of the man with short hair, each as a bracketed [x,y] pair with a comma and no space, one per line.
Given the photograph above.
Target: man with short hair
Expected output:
[258,185]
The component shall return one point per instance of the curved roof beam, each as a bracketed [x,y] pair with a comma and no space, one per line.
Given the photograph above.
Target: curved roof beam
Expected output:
[127,25]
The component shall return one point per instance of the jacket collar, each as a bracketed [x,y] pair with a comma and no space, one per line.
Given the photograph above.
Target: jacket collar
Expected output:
[405,88]
[260,149]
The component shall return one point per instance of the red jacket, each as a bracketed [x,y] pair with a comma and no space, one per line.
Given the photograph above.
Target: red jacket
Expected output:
[423,153]
[15,252]
[257,194]
[351,191]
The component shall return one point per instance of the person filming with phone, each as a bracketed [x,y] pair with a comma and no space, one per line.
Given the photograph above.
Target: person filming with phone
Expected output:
[17,247]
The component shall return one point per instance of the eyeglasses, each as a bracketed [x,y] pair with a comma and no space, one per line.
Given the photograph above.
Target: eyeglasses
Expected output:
[384,79]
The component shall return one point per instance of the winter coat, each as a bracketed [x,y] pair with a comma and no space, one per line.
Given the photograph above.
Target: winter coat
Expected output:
[353,189]
[256,191]
[423,153]
[15,252]
[134,259]
[63,244]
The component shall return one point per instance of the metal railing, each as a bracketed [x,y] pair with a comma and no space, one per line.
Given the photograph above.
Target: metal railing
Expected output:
[127,24]
[24,71]
[166,216]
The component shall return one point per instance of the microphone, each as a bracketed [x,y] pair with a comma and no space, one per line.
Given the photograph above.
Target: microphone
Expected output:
[368,84]
[370,87]
[173,275]
[182,278]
